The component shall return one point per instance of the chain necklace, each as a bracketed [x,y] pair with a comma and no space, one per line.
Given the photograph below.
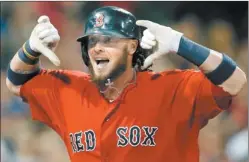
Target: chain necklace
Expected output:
[110,84]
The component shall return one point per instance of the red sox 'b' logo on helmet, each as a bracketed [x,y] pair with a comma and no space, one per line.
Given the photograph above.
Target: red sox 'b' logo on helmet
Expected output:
[99,20]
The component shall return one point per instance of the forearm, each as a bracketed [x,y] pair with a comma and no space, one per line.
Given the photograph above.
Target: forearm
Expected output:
[17,65]
[218,67]
[25,64]
[23,67]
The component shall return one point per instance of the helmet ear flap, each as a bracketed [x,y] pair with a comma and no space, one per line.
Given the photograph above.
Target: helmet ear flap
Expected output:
[84,53]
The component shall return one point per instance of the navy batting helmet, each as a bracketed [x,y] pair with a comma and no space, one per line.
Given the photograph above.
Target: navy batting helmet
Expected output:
[112,21]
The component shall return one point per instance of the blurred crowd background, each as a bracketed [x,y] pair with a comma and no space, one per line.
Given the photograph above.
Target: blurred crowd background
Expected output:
[222,26]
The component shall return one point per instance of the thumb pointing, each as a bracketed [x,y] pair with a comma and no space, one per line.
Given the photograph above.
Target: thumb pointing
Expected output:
[43,19]
[48,53]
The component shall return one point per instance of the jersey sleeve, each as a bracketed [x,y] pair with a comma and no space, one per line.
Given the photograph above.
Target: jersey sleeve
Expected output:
[202,99]
[210,99]
[42,93]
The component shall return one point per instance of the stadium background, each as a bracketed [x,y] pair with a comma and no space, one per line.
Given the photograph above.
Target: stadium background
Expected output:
[222,26]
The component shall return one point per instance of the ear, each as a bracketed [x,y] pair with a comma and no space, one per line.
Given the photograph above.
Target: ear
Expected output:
[132,46]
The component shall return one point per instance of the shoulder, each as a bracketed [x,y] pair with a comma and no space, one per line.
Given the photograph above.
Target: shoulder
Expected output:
[65,76]
[58,78]
[54,81]
[70,73]
[169,74]
[171,79]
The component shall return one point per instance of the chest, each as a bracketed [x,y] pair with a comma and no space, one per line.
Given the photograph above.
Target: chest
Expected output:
[140,120]
[89,110]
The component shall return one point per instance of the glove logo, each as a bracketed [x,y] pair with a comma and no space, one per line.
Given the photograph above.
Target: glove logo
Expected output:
[99,20]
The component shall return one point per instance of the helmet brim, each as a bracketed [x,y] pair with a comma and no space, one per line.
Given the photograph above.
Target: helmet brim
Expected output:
[101,32]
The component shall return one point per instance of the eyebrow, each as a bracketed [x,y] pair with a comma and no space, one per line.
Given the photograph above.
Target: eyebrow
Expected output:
[103,38]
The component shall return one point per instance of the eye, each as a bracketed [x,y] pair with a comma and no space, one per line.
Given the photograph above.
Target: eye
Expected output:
[91,42]
[107,40]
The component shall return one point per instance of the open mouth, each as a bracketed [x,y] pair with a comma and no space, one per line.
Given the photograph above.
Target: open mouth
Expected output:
[101,62]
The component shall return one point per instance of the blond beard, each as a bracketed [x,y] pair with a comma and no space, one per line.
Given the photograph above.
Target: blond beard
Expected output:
[120,68]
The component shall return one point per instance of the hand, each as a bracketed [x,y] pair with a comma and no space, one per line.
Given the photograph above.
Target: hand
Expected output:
[164,40]
[45,38]
[46,33]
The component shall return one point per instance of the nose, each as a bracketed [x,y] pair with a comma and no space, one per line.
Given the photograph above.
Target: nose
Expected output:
[98,48]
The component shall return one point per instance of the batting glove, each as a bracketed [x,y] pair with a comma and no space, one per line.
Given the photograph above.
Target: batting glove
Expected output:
[161,38]
[45,38]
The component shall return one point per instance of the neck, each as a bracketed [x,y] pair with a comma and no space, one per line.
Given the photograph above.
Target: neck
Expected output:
[126,77]
[119,84]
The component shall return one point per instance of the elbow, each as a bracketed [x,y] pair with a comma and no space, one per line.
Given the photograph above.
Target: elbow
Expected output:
[9,84]
[235,83]
[243,80]
[13,88]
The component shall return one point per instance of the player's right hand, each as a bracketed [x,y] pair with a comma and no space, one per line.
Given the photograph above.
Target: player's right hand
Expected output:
[45,38]
[46,33]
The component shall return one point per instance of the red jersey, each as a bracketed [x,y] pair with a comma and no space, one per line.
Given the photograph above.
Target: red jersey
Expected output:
[156,119]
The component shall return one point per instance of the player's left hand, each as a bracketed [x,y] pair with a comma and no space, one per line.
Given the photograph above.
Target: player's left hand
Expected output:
[161,39]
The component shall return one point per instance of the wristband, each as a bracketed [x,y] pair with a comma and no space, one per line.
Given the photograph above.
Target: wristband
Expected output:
[27,55]
[192,51]
[27,59]
[30,51]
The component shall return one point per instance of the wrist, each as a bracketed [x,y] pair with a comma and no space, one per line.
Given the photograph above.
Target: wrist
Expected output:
[193,52]
[27,55]
[176,41]
[29,47]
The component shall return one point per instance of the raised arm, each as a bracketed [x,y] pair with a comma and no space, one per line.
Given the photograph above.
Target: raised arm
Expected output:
[25,63]
[219,68]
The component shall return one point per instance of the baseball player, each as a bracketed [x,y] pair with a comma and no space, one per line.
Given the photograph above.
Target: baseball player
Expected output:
[121,112]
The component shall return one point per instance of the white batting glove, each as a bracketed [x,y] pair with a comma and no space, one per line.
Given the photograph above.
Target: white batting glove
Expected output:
[163,39]
[45,38]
